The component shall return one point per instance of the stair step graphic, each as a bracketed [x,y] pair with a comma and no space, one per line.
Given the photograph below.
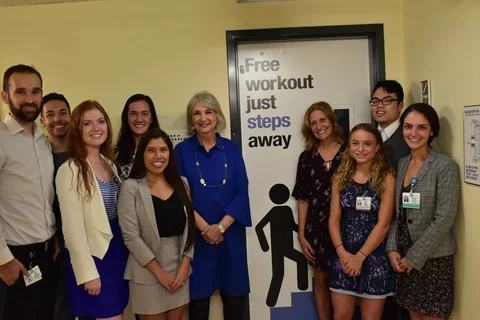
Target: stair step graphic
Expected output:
[303,308]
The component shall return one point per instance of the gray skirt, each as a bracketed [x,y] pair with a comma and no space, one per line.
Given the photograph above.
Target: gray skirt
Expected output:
[154,299]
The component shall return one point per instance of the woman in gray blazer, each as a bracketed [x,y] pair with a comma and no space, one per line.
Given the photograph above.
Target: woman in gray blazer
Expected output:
[158,227]
[421,243]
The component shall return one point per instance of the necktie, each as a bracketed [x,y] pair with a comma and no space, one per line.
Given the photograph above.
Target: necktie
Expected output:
[384,135]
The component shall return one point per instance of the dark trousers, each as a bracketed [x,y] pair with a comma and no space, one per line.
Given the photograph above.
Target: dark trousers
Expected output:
[36,301]
[61,310]
[233,307]
[392,311]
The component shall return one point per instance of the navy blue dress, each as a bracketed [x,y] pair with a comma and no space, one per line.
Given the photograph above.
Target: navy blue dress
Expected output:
[113,297]
[376,280]
[222,266]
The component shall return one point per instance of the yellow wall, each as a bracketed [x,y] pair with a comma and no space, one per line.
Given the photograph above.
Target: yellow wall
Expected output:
[108,50]
[442,44]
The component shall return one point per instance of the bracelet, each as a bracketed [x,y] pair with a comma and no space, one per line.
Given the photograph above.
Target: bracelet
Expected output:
[341,244]
[362,253]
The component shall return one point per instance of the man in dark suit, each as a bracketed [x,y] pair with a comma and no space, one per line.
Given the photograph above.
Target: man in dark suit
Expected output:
[387,103]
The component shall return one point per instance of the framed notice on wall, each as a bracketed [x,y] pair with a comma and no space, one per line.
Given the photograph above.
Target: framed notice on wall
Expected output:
[426,92]
[471,144]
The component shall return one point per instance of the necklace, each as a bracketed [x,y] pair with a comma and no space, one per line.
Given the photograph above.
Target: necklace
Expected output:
[202,181]
[328,164]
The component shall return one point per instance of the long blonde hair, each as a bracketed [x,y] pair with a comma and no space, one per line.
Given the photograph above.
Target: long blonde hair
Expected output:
[310,140]
[380,169]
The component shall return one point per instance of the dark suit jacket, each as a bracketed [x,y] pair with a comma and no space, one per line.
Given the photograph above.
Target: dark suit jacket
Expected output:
[396,148]
[431,226]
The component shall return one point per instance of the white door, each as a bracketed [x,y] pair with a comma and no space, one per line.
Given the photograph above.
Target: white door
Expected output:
[278,81]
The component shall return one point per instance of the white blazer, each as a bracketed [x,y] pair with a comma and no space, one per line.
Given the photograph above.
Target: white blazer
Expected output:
[85,223]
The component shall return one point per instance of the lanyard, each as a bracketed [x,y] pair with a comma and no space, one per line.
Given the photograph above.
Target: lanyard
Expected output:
[413,183]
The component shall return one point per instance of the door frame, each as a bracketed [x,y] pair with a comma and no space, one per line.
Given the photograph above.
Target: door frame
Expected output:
[372,32]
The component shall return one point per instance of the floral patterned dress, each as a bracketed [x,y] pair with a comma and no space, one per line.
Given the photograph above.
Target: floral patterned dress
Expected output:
[314,185]
[429,291]
[376,279]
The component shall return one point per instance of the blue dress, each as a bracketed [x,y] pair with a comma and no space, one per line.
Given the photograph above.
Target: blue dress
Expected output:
[113,297]
[376,280]
[222,266]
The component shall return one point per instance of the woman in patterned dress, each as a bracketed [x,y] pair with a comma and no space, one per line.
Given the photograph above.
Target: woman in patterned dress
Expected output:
[421,242]
[316,166]
[138,116]
[361,210]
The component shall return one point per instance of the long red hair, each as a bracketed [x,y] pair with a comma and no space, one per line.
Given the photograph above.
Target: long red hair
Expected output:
[76,150]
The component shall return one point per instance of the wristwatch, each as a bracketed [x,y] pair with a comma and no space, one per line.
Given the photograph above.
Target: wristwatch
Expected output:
[222,229]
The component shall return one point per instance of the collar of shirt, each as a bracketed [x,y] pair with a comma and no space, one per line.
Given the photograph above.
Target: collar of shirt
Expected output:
[390,130]
[14,127]
[196,144]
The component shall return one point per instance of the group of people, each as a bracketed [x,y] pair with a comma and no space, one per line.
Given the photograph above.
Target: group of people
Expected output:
[103,224]
[87,226]
[376,211]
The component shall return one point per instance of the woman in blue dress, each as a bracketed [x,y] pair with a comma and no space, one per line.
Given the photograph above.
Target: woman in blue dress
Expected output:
[218,182]
[87,186]
[362,204]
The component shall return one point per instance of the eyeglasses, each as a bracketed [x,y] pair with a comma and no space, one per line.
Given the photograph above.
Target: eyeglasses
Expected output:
[384,101]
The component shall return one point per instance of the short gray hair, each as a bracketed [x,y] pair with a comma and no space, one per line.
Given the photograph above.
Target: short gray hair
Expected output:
[209,101]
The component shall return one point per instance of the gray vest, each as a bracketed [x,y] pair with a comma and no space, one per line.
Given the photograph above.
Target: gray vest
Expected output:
[396,147]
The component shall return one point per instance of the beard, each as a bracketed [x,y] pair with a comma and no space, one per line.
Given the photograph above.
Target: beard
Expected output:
[20,114]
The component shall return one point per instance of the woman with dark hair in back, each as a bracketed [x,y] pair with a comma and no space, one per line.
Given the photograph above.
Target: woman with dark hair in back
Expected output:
[317,164]
[138,116]
[158,226]
[421,242]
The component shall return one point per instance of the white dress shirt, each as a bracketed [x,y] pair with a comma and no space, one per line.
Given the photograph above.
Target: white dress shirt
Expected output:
[26,187]
[389,130]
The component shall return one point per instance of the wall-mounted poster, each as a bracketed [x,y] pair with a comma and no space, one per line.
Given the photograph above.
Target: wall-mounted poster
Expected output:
[471,137]
[426,92]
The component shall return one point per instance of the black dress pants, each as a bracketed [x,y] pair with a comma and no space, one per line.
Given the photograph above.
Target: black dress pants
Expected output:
[35,302]
[233,307]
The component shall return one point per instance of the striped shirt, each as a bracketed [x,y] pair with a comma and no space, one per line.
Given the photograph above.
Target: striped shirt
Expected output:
[109,192]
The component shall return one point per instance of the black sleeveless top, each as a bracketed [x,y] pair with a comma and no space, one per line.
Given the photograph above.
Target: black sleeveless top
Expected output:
[170,215]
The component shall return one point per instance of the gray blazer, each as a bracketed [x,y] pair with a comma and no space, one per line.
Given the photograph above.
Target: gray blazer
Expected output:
[140,232]
[431,226]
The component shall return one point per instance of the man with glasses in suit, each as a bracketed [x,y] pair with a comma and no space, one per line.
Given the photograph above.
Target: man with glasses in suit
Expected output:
[386,103]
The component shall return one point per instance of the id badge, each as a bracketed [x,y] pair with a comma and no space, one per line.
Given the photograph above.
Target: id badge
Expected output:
[363,203]
[35,275]
[411,200]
